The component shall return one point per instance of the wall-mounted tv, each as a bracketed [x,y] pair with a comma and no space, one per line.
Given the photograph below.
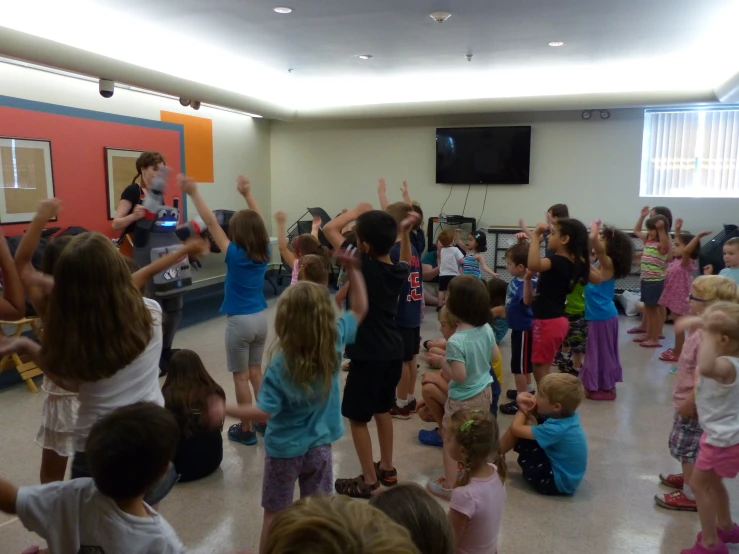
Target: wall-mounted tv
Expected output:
[483,155]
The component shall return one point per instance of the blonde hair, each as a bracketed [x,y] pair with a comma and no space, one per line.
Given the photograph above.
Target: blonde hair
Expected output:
[399,211]
[723,318]
[563,389]
[336,525]
[96,321]
[313,268]
[305,325]
[445,316]
[732,242]
[716,287]
[247,231]
[477,432]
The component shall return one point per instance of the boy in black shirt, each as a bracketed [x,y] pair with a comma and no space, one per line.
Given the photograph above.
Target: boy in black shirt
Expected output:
[377,353]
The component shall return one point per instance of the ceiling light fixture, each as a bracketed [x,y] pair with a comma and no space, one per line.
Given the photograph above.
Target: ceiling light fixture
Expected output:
[605,114]
[365,56]
[440,17]
[587,114]
[556,43]
[283,10]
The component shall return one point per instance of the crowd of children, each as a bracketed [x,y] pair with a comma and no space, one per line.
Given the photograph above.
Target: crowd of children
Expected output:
[131,441]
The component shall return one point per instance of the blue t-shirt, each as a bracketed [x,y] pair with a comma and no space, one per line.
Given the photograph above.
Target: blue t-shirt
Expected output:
[410,301]
[731,273]
[473,347]
[418,240]
[599,304]
[564,442]
[520,316]
[300,419]
[244,286]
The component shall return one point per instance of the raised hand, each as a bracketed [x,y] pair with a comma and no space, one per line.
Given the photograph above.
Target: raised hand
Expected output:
[708,269]
[49,208]
[243,185]
[186,184]
[704,234]
[381,185]
[529,275]
[541,228]
[197,246]
[678,224]
[280,217]
[526,402]
[409,222]
[595,229]
[645,211]
[660,225]
[317,221]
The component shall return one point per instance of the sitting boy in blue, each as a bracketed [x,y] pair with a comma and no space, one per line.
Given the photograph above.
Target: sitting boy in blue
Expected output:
[553,455]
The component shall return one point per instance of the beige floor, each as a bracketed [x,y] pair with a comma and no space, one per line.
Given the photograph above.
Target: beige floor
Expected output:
[612,512]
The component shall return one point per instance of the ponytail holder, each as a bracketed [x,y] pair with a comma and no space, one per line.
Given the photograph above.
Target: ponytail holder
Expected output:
[466,425]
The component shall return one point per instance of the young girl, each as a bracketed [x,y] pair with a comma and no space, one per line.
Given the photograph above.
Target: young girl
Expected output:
[302,244]
[602,367]
[188,392]
[567,264]
[300,394]
[466,363]
[478,497]
[449,259]
[717,402]
[314,269]
[685,250]
[473,262]
[247,255]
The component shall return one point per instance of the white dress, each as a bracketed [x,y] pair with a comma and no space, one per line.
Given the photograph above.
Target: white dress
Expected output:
[58,417]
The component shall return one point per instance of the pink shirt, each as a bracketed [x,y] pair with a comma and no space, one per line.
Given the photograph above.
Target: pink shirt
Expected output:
[686,366]
[296,271]
[482,502]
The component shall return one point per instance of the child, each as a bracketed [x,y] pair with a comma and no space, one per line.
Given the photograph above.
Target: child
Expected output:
[560,271]
[342,287]
[497,291]
[685,250]
[377,353]
[336,525]
[653,269]
[247,255]
[466,363]
[416,510]
[129,450]
[686,428]
[473,262]
[449,260]
[476,508]
[519,297]
[302,245]
[300,394]
[602,368]
[569,358]
[554,454]
[731,260]
[408,318]
[187,392]
[313,268]
[717,402]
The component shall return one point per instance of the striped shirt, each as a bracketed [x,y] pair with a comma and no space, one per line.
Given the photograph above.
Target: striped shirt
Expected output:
[471,266]
[653,264]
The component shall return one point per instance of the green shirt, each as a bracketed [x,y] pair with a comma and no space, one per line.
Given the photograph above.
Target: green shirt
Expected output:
[473,347]
[576,301]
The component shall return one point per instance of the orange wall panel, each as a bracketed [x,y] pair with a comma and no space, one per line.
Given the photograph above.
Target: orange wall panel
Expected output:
[198,144]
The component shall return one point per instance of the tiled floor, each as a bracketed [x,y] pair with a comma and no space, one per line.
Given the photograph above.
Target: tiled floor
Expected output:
[612,512]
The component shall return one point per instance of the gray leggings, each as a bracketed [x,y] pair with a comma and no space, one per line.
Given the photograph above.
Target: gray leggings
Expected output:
[246,336]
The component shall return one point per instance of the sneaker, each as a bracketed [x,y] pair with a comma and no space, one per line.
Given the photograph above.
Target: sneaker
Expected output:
[437,488]
[430,438]
[730,536]
[412,406]
[400,413]
[260,427]
[698,548]
[511,408]
[675,501]
[388,477]
[674,480]
[236,434]
[511,394]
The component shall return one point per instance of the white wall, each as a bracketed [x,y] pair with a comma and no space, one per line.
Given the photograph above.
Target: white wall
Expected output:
[593,166]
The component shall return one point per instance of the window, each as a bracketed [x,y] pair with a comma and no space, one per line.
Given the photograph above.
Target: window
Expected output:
[690,153]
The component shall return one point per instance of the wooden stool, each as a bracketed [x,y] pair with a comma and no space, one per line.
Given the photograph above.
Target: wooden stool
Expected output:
[27,370]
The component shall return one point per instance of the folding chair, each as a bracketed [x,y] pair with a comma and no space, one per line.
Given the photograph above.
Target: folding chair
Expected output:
[27,370]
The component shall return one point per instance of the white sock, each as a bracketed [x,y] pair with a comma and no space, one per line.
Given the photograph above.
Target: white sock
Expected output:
[531,389]
[410,398]
[401,403]
[688,492]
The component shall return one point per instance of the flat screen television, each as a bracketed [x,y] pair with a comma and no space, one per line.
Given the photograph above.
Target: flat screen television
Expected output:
[483,155]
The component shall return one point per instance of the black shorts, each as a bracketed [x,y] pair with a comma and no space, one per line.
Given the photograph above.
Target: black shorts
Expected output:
[522,346]
[370,389]
[411,342]
[444,282]
[536,466]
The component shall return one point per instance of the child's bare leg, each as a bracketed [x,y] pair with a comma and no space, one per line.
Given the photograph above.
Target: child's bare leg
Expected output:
[53,466]
[522,380]
[243,394]
[403,388]
[653,325]
[435,399]
[413,376]
[269,517]
[429,298]
[577,358]
[679,339]
[723,507]
[385,437]
[442,295]
[363,446]
[704,486]
[540,371]
[255,378]
[661,317]
[450,465]
[507,442]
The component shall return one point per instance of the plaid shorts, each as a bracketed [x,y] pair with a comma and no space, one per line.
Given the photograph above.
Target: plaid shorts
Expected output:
[577,335]
[685,438]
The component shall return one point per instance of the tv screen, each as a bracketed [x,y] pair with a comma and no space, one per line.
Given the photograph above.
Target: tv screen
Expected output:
[483,155]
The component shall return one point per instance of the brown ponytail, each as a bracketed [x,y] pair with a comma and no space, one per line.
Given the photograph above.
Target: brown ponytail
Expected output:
[477,432]
[147,159]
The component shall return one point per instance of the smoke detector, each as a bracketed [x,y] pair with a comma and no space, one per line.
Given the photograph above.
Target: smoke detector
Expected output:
[440,17]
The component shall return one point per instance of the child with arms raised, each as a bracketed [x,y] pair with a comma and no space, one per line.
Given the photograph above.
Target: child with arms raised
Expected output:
[473,262]
[302,245]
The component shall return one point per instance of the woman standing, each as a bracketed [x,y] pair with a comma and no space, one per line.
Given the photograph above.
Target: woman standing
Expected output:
[129,209]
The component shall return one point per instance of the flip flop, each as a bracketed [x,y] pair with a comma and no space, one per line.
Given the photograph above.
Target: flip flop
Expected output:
[640,339]
[636,331]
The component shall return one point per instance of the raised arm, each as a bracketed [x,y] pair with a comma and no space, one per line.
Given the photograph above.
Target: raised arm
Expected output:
[606,264]
[332,230]
[382,193]
[244,187]
[13,302]
[710,365]
[528,288]
[458,240]
[189,187]
[315,226]
[191,247]
[358,303]
[692,246]
[33,284]
[664,240]
[481,258]
[406,195]
[285,252]
[640,222]
[536,263]
[406,252]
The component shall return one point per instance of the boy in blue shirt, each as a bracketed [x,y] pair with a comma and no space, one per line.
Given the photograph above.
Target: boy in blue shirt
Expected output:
[553,455]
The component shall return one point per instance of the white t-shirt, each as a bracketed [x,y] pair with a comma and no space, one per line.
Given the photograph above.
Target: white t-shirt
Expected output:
[73,516]
[448,264]
[137,382]
[718,409]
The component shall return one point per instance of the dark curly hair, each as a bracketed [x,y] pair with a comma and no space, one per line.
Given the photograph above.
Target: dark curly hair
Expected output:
[620,249]
[481,239]
[684,237]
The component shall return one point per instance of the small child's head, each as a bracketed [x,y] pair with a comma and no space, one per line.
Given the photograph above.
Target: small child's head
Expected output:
[731,252]
[336,525]
[306,244]
[474,438]
[313,268]
[415,509]
[682,240]
[665,212]
[497,289]
[721,324]
[52,252]
[619,248]
[377,233]
[558,211]
[651,225]
[711,288]
[305,324]
[416,207]
[570,238]
[517,259]
[478,241]
[447,323]
[247,231]
[468,300]
[399,211]
[350,237]
[559,395]
[446,238]
[129,449]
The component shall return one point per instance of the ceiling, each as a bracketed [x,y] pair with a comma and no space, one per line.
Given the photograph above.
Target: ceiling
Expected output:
[630,52]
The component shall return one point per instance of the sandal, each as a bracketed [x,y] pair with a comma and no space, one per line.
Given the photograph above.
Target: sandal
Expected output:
[356,487]
[388,478]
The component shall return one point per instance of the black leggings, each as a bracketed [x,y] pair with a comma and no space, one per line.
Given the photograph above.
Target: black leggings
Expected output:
[536,466]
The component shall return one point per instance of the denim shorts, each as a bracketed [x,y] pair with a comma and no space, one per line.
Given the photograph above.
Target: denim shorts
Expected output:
[651,291]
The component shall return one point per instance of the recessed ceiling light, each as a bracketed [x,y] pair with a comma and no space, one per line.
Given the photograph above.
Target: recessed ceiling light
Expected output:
[282,9]
[365,56]
[556,43]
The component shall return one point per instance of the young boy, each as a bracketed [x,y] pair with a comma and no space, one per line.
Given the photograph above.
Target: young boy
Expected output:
[450,258]
[553,455]
[570,357]
[128,451]
[731,260]
[377,353]
[520,318]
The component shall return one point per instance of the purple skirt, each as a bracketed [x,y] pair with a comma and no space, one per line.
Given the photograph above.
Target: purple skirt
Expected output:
[602,369]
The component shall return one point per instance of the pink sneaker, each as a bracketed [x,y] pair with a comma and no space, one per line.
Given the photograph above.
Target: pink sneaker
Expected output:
[730,536]
[698,548]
